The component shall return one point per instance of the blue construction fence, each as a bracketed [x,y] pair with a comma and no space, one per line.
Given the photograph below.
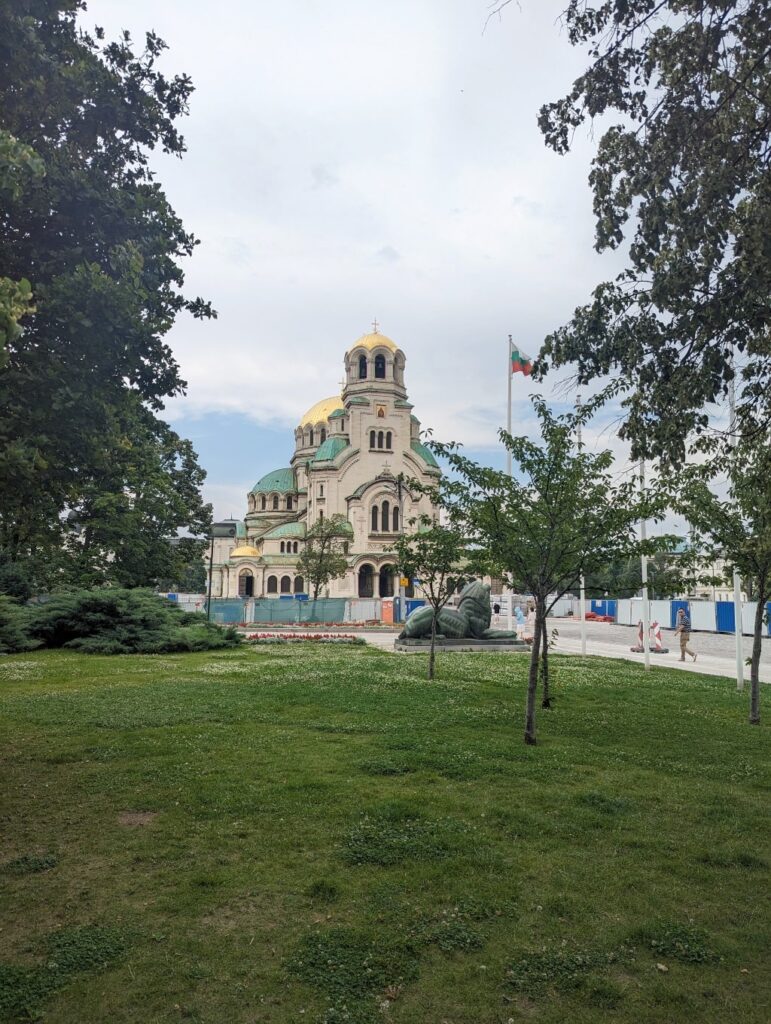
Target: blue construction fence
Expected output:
[231,611]
[709,616]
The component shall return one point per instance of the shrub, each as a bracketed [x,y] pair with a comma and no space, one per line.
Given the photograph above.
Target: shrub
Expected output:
[124,622]
[13,628]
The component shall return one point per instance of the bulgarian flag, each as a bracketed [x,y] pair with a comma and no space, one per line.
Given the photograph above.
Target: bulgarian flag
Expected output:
[520,363]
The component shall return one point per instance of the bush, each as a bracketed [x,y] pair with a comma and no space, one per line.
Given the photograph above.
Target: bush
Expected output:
[124,622]
[13,628]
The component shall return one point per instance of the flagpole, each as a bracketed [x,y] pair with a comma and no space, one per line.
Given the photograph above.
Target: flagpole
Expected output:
[508,405]
[510,602]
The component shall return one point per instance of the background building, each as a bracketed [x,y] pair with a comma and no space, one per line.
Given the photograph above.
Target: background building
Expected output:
[349,451]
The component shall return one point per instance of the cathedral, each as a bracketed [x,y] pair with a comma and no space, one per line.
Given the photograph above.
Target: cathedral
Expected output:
[349,451]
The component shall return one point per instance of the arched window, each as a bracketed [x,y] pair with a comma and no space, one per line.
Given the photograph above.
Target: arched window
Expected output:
[362,367]
[384,520]
[289,502]
[299,585]
[286,585]
[380,438]
[263,503]
[323,436]
[275,502]
[310,435]
[321,490]
[366,581]
[389,440]
[372,438]
[386,581]
[380,367]
[321,515]
[246,583]
[296,546]
[282,547]
[374,519]
[345,547]
[396,519]
[272,585]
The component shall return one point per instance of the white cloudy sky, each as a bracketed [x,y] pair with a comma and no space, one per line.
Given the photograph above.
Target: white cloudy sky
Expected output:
[349,159]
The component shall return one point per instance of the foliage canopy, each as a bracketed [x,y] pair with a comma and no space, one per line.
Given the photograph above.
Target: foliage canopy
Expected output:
[686,163]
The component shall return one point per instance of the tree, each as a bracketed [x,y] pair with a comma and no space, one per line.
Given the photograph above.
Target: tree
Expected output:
[560,516]
[668,575]
[738,529]
[17,163]
[323,558]
[688,165]
[434,555]
[85,223]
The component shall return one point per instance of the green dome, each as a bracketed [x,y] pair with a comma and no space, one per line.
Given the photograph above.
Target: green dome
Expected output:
[287,530]
[330,448]
[425,453]
[278,480]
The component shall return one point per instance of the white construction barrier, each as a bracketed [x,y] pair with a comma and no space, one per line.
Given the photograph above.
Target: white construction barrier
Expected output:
[702,615]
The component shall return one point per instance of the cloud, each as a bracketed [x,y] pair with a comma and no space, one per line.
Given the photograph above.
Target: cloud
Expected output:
[323,177]
[315,132]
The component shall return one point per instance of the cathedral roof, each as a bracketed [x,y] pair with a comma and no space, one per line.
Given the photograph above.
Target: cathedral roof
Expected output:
[425,453]
[247,551]
[277,480]
[321,411]
[372,341]
[287,530]
[330,448]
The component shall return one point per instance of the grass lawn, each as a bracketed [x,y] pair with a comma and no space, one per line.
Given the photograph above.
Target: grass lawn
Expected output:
[320,835]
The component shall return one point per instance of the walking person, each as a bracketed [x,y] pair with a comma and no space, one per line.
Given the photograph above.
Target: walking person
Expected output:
[683,628]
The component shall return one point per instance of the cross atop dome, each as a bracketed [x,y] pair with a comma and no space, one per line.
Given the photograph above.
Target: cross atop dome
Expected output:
[374,326]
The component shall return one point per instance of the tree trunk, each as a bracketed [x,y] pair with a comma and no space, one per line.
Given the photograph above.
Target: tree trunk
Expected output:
[431,654]
[757,640]
[532,680]
[546,698]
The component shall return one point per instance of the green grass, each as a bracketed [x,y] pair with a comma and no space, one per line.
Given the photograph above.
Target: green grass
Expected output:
[297,834]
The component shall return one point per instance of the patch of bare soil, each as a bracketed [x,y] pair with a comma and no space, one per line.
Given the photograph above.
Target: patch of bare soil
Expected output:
[136,819]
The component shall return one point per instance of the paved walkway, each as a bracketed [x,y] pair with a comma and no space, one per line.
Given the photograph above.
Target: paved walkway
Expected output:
[715,652]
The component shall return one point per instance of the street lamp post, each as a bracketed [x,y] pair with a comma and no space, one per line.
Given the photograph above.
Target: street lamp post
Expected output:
[211,573]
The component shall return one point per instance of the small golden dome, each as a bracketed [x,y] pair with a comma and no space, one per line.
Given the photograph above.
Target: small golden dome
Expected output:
[245,551]
[321,411]
[372,341]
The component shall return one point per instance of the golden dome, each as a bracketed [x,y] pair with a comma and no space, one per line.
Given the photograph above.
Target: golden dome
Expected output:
[321,411]
[245,551]
[372,341]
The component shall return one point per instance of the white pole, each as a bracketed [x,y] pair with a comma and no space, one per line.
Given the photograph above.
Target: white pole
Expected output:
[646,612]
[508,404]
[510,596]
[582,581]
[738,624]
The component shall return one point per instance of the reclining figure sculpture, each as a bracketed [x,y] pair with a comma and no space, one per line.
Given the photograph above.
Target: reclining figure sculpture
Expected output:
[470,620]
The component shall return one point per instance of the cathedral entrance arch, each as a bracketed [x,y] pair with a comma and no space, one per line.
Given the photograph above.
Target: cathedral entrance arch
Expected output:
[366,581]
[386,581]
[246,583]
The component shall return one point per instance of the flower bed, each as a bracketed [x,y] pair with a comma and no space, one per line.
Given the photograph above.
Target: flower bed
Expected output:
[317,638]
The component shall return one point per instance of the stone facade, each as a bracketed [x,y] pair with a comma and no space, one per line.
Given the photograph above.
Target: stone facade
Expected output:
[349,451]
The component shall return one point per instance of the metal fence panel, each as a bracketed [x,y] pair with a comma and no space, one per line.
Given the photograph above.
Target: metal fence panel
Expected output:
[624,612]
[726,618]
[227,610]
[363,609]
[702,615]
